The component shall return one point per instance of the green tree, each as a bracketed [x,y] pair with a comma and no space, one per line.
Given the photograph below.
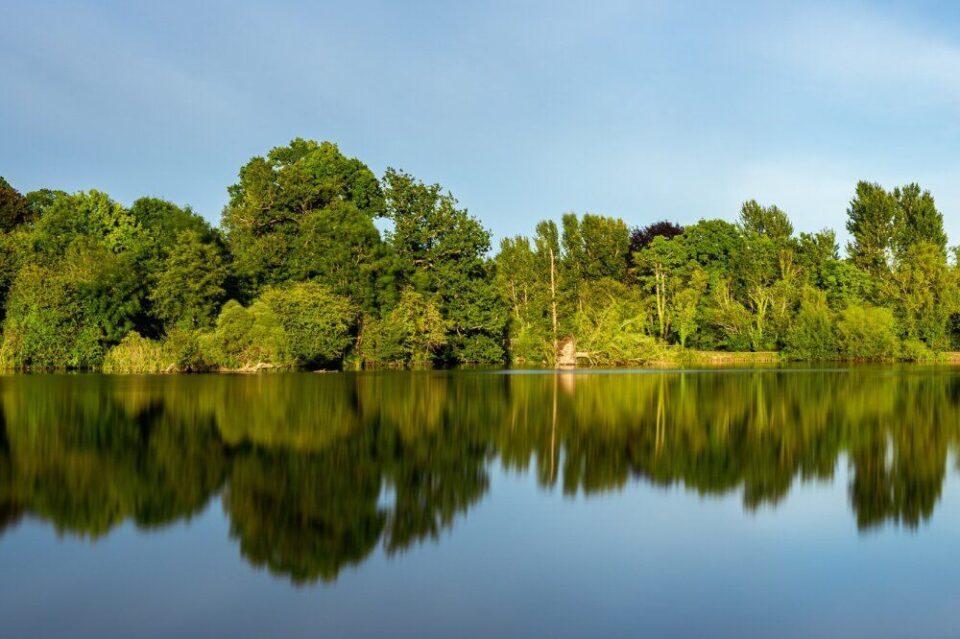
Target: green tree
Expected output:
[594,247]
[658,268]
[812,334]
[918,220]
[14,208]
[548,256]
[687,303]
[816,254]
[47,324]
[768,221]
[86,217]
[190,288]
[244,337]
[923,292]
[606,244]
[868,332]
[306,212]
[317,323]
[165,221]
[413,333]
[91,250]
[871,220]
[609,325]
[440,251]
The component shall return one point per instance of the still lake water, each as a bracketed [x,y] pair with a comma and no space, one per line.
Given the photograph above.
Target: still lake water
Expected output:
[780,502]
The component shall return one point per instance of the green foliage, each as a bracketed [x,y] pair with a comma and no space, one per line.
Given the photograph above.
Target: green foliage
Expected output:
[868,333]
[440,250]
[812,335]
[918,220]
[609,327]
[606,242]
[733,320]
[712,244]
[190,287]
[301,324]
[923,292]
[686,304]
[83,277]
[89,217]
[11,259]
[913,350]
[81,286]
[244,337]
[47,324]
[522,279]
[871,220]
[816,253]
[165,221]
[15,209]
[886,225]
[136,354]
[412,334]
[768,221]
[315,322]
[306,211]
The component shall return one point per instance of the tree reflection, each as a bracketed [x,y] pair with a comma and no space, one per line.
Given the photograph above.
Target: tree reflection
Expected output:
[317,472]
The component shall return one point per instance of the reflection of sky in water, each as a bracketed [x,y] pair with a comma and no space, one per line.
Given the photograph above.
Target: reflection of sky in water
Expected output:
[644,561]
[521,557]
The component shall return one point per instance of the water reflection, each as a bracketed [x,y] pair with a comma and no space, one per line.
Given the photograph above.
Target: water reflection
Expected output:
[316,472]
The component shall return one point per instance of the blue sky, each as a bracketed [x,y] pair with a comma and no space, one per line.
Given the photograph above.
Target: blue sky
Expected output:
[524,110]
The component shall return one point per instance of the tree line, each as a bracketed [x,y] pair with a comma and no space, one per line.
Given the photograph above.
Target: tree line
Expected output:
[317,262]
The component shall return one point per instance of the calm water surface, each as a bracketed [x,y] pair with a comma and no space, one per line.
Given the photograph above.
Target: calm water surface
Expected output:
[785,503]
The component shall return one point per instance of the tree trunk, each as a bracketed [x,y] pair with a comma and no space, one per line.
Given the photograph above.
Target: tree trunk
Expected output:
[553,297]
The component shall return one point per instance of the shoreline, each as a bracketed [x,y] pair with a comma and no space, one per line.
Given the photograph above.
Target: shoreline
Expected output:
[710,359]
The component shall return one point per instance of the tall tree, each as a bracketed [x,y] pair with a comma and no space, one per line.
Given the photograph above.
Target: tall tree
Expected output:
[306,212]
[918,220]
[14,208]
[871,220]
[606,245]
[441,251]
[594,247]
[768,221]
[548,256]
[642,236]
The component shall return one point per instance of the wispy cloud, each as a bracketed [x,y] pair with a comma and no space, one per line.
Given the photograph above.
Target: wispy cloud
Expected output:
[864,48]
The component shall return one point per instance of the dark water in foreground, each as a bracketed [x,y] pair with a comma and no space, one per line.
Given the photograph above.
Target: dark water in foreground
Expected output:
[780,503]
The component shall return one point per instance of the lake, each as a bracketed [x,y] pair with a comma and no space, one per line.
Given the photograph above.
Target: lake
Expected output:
[728,503]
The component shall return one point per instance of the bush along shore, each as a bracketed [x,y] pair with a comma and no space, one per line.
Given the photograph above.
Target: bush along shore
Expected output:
[317,263]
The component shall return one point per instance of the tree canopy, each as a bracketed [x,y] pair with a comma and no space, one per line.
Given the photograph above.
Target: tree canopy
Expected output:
[318,262]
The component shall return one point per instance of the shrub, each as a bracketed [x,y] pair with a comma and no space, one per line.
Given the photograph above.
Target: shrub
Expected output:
[868,332]
[296,325]
[811,335]
[183,349]
[914,350]
[179,351]
[245,336]
[480,349]
[529,345]
[136,354]
[316,323]
[413,333]
[610,328]
[46,323]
